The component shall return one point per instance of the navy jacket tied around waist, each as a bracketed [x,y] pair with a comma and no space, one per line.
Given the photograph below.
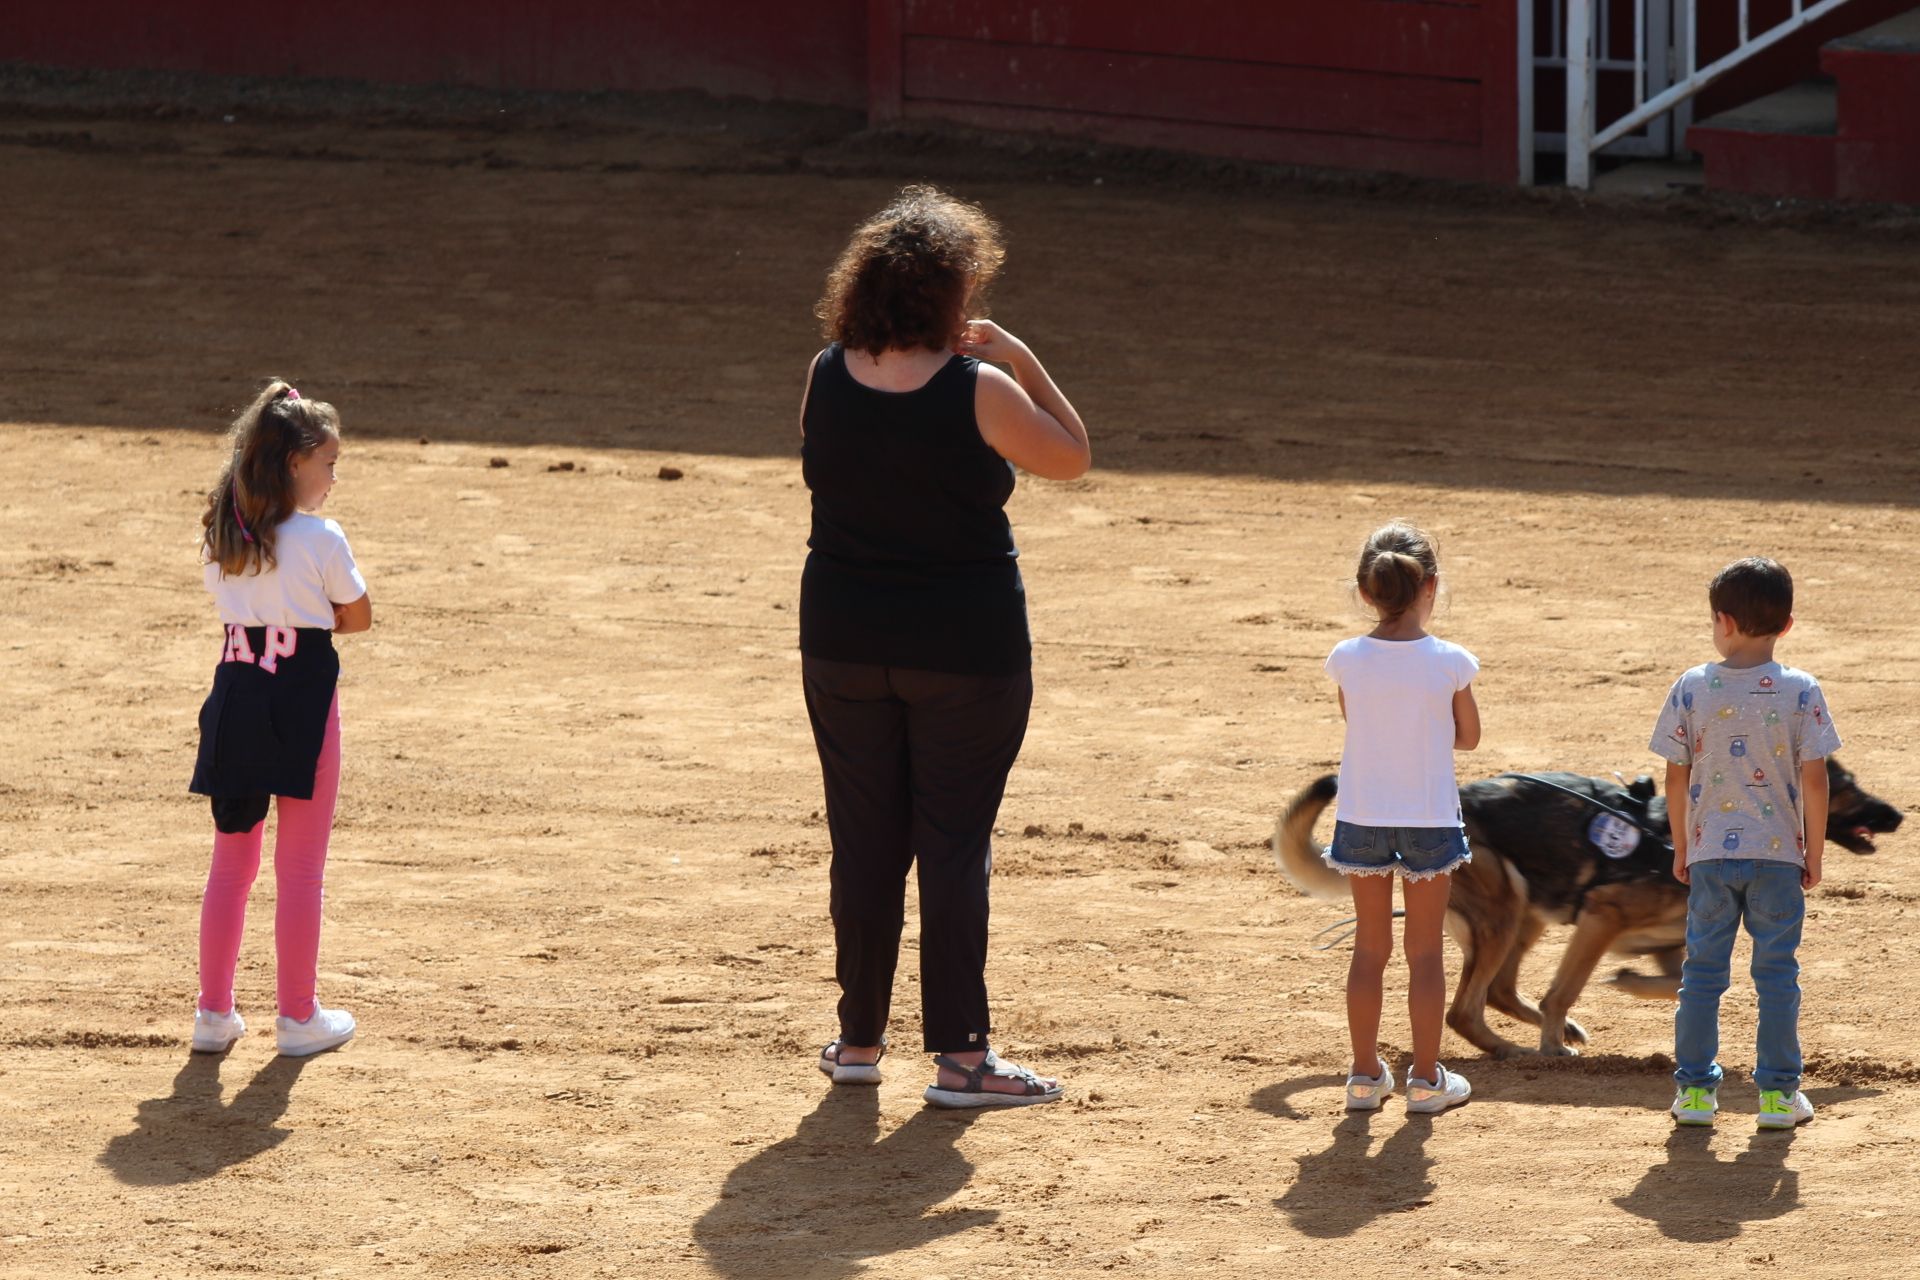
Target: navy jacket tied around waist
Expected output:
[263,726]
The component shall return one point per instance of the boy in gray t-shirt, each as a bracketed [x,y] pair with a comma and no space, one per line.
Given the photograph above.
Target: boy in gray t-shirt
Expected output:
[1746,742]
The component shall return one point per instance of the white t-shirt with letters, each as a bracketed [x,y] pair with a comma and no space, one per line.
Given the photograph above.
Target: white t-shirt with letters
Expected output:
[315,572]
[1396,769]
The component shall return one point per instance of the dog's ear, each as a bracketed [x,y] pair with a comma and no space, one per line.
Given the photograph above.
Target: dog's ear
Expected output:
[1642,788]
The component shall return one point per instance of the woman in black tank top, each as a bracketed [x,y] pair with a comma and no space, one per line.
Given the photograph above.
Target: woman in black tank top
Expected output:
[913,620]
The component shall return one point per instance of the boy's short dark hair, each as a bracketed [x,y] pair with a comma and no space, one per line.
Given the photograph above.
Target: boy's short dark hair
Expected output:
[1757,593]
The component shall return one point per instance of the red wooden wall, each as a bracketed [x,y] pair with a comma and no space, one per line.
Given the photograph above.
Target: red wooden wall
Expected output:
[774,49]
[1409,86]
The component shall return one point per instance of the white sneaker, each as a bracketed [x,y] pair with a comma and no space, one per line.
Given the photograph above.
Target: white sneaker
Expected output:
[1694,1104]
[216,1032]
[1777,1111]
[1366,1093]
[1429,1096]
[324,1029]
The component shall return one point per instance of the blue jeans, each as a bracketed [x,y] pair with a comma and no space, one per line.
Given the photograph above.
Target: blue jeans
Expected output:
[1767,898]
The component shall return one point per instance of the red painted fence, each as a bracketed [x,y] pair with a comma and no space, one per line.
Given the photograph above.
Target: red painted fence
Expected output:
[1423,87]
[1411,86]
[773,49]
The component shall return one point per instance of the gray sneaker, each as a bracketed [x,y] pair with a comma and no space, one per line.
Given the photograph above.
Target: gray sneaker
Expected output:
[1431,1096]
[1366,1093]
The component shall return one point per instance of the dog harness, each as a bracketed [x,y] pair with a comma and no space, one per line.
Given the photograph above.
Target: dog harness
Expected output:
[1633,849]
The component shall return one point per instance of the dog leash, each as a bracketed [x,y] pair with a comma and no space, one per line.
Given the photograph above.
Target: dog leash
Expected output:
[1596,803]
[1351,922]
[1398,914]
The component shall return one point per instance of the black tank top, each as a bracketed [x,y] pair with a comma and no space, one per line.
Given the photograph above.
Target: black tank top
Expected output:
[912,561]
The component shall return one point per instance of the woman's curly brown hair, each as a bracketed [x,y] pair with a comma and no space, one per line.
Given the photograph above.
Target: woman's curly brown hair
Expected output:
[912,275]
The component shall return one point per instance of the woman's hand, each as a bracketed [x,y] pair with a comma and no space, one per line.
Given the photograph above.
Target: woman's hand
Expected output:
[1024,418]
[985,340]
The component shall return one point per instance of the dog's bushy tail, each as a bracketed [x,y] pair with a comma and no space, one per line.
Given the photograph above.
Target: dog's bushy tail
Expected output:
[1293,846]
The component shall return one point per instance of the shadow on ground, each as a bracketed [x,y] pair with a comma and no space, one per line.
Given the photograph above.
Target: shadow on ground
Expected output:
[189,1134]
[650,286]
[1695,1197]
[1343,1188]
[1594,1080]
[840,1192]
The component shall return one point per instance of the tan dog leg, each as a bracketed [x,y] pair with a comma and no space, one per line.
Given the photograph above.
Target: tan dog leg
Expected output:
[1505,994]
[1593,934]
[1486,939]
[1665,986]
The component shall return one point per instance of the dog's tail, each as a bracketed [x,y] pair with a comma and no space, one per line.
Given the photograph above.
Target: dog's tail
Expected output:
[1293,846]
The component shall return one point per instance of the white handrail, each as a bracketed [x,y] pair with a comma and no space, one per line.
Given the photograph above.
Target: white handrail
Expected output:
[1674,39]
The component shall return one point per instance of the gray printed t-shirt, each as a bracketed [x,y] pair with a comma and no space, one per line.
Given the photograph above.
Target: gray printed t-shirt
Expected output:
[1745,732]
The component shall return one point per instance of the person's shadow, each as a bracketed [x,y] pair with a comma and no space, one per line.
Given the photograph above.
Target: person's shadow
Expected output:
[189,1134]
[1342,1189]
[1696,1197]
[822,1202]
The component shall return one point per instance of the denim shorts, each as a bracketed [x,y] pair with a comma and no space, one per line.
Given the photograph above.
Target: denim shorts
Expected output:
[1417,853]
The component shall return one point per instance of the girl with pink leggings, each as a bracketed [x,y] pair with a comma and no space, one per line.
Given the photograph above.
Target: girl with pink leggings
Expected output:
[285,583]
[299,867]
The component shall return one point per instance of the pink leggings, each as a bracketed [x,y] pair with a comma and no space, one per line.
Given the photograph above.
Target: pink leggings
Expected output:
[299,867]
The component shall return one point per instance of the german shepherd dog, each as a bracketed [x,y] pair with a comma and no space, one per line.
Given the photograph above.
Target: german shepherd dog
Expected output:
[1566,849]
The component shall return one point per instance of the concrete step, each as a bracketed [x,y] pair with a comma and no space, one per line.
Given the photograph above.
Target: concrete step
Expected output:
[1897,35]
[1782,144]
[1651,179]
[1810,108]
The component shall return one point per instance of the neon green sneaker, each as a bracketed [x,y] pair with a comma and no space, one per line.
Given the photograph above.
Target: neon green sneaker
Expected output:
[1695,1104]
[1778,1111]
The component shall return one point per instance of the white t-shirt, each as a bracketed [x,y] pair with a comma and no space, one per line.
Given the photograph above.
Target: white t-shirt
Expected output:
[315,572]
[1397,767]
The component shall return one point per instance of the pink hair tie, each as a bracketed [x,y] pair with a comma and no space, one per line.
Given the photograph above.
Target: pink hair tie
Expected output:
[236,517]
[293,393]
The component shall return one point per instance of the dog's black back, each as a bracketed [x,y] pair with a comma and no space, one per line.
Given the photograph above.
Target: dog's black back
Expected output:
[1543,825]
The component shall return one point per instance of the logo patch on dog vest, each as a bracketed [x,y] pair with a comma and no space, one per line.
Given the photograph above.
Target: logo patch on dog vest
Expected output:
[1615,837]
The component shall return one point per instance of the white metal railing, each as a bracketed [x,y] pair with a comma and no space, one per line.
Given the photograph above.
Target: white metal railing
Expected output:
[1644,60]
[1664,64]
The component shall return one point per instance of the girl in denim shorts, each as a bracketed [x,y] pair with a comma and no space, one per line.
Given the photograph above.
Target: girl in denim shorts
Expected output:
[1407,698]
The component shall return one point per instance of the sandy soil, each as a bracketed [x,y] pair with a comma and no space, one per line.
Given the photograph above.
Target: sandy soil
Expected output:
[578,887]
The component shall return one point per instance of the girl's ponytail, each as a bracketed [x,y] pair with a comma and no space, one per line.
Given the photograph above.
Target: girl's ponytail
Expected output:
[1396,562]
[255,491]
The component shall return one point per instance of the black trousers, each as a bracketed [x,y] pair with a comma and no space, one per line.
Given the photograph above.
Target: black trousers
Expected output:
[915,765]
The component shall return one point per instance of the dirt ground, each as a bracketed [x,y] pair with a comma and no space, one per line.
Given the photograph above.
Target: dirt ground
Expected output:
[578,886]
